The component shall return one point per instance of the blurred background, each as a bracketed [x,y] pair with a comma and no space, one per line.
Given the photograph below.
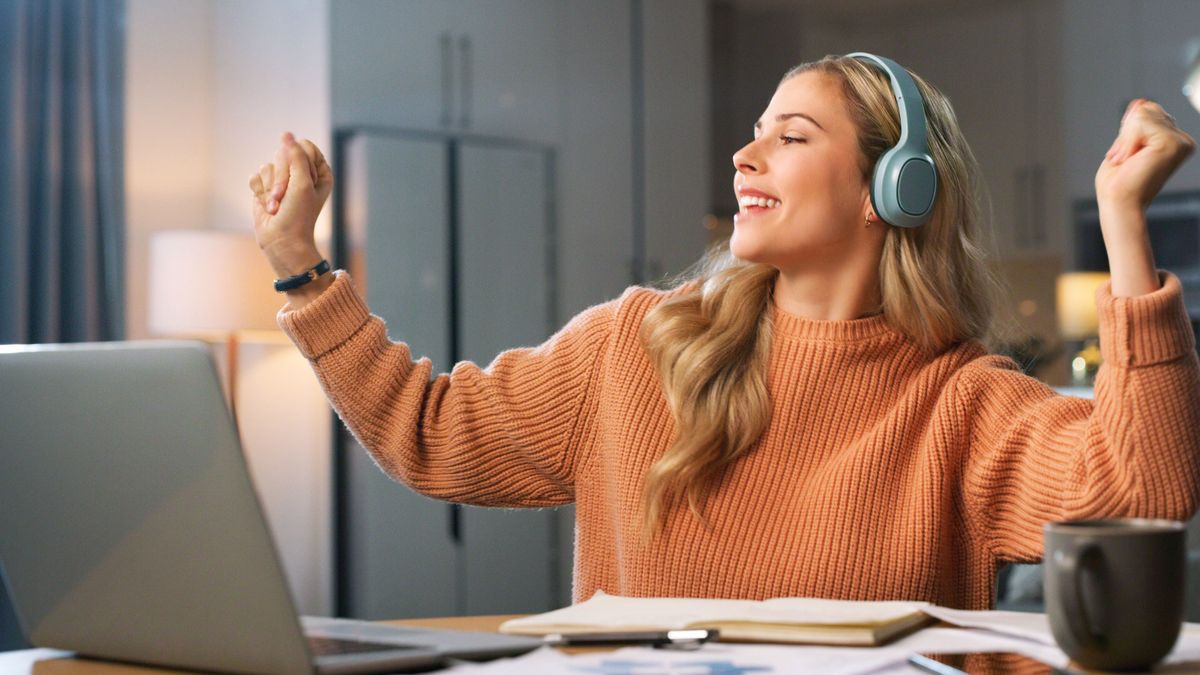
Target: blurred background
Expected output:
[501,165]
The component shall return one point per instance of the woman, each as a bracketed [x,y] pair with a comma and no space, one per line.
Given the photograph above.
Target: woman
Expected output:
[814,415]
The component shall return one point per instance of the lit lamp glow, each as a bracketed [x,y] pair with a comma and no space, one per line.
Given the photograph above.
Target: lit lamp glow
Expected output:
[1078,322]
[1191,83]
[212,285]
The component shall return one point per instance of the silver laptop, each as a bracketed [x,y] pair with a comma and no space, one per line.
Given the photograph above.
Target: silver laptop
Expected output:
[130,530]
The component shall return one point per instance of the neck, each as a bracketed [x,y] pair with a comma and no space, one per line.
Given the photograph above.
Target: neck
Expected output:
[850,291]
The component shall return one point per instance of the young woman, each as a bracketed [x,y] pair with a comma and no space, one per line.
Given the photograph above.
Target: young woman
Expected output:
[814,413]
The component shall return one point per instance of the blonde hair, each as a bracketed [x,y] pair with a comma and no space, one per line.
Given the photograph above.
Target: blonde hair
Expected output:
[711,343]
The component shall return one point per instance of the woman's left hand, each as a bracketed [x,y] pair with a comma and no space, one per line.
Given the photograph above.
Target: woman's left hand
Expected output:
[1149,148]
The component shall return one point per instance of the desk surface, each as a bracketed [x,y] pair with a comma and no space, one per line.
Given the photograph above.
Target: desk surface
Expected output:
[53,662]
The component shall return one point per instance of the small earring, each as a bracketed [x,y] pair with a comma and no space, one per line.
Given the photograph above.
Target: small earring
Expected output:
[868,220]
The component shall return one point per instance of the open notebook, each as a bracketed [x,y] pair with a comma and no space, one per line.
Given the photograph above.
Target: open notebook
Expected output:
[785,620]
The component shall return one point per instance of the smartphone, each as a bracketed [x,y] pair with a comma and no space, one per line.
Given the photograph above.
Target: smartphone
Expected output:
[983,663]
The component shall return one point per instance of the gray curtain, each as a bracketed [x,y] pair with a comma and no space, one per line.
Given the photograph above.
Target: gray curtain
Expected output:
[61,180]
[61,170]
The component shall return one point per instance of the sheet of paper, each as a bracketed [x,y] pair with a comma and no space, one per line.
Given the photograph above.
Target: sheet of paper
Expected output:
[722,659]
[1029,625]
[738,659]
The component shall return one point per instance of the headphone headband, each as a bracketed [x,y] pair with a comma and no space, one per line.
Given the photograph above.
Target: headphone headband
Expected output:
[904,181]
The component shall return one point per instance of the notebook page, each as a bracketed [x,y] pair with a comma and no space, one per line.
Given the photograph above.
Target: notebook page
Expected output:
[603,611]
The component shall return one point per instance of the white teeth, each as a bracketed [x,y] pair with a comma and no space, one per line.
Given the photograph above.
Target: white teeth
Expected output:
[758,201]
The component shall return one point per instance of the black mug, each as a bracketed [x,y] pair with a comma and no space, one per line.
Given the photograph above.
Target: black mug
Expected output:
[1115,589]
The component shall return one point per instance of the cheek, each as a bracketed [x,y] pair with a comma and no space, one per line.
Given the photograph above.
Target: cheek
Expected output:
[826,199]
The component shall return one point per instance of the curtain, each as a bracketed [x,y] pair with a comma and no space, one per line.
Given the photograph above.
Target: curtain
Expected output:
[61,181]
[61,170]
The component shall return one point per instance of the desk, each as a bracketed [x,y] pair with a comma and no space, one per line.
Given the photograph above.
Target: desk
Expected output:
[55,662]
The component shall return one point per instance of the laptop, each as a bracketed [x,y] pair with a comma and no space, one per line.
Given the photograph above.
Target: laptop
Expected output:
[130,529]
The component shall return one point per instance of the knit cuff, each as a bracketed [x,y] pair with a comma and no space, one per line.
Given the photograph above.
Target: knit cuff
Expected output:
[328,321]
[1145,329]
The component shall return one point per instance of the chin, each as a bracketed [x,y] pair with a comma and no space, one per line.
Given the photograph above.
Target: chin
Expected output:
[746,249]
[742,247]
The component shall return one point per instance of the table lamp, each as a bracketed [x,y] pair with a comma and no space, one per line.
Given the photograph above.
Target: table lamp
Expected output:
[212,285]
[1191,83]
[1079,323]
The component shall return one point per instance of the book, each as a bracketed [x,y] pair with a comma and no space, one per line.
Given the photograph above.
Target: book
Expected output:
[779,620]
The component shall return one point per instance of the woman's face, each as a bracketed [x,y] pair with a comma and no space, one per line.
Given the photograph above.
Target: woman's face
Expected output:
[805,159]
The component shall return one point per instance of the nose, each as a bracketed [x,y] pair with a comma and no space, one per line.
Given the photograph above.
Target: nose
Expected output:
[747,160]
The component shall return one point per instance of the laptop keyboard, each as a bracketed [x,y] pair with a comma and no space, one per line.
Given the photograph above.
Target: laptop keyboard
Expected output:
[322,646]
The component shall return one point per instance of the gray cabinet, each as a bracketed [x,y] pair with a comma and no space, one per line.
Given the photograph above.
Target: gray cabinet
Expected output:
[1120,50]
[453,240]
[617,89]
[1006,98]
[505,276]
[452,65]
[397,556]
[677,131]
[391,61]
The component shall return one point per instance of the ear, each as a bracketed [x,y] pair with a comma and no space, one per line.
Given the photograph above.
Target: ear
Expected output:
[868,209]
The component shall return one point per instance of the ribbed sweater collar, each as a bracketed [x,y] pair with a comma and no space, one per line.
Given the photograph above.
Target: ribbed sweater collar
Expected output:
[796,327]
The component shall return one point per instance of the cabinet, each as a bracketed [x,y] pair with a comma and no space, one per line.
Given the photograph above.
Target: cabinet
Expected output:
[1120,50]
[616,90]
[1006,95]
[451,65]
[676,175]
[452,240]
[617,87]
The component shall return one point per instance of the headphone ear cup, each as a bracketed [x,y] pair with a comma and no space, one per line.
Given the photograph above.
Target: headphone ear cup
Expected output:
[883,190]
[903,187]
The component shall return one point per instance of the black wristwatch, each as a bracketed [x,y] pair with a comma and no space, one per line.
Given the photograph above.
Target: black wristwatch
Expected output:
[298,280]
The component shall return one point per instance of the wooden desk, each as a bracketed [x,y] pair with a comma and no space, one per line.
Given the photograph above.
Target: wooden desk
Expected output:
[54,662]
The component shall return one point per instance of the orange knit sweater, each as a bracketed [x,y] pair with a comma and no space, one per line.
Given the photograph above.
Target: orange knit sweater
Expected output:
[885,473]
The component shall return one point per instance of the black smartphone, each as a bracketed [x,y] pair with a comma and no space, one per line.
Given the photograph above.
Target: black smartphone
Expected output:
[983,663]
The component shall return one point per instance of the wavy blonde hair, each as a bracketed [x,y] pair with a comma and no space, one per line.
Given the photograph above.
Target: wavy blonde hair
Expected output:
[711,343]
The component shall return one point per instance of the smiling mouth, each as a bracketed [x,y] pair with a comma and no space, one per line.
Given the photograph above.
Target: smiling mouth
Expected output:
[747,202]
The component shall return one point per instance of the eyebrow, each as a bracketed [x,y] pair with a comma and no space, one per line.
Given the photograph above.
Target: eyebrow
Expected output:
[788,116]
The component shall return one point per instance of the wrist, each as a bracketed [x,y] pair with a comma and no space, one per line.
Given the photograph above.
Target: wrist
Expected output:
[299,297]
[288,258]
[1121,222]
[1130,255]
[1123,208]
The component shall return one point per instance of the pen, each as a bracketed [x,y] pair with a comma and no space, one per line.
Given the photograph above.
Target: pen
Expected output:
[670,639]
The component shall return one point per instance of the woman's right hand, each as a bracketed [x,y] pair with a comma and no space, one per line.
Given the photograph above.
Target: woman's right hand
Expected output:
[288,196]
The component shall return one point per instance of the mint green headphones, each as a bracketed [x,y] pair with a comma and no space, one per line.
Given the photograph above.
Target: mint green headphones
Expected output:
[904,182]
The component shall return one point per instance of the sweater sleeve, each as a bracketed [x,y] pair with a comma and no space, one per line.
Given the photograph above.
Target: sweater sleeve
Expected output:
[504,435]
[1036,456]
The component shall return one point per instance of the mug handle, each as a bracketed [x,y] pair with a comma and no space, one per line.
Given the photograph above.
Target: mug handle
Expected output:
[1069,564]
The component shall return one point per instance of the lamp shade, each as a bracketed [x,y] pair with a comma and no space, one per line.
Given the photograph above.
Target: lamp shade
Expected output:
[208,283]
[1191,82]
[1077,319]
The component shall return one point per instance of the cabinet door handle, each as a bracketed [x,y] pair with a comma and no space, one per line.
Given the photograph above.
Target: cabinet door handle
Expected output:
[1037,204]
[1021,210]
[466,63]
[455,513]
[447,78]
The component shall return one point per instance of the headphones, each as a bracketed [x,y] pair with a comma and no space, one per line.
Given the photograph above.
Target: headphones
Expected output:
[904,182]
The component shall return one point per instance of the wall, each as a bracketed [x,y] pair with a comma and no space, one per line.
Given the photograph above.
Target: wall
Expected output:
[168,111]
[270,64]
[210,86]
[752,51]
[675,143]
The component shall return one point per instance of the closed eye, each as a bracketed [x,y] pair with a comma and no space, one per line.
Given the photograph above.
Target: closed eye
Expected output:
[792,139]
